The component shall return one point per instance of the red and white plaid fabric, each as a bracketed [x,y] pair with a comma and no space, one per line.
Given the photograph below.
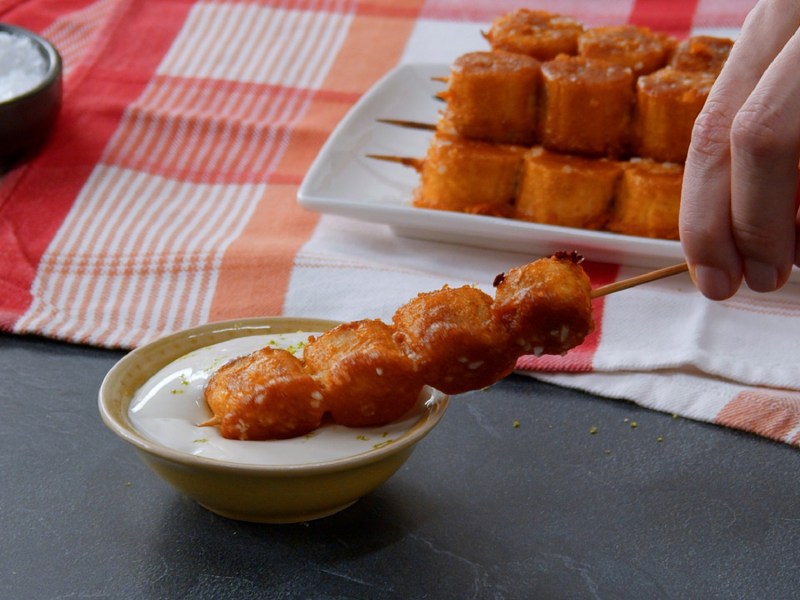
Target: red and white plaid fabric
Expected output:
[167,196]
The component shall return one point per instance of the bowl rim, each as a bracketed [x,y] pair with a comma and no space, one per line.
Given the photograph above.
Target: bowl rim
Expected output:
[54,67]
[250,326]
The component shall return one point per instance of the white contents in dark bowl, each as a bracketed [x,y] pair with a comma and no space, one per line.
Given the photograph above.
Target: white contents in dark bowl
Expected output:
[22,66]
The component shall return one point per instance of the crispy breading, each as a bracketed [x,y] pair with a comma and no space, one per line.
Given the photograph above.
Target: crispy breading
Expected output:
[545,305]
[367,379]
[454,339]
[264,395]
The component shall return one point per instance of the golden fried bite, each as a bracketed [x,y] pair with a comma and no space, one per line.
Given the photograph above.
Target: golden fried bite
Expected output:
[453,337]
[537,33]
[648,200]
[668,102]
[567,190]
[638,48]
[366,378]
[701,53]
[493,97]
[587,106]
[545,305]
[469,176]
[264,395]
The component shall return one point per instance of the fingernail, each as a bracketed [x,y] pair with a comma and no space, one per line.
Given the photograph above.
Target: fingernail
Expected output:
[713,283]
[760,276]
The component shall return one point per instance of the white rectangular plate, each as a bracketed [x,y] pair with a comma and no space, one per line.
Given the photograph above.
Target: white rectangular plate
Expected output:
[343,181]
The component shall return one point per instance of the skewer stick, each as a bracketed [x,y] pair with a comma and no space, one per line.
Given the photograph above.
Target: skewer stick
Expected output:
[639,279]
[414,163]
[409,124]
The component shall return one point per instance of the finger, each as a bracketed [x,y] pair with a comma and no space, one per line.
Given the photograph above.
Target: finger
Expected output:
[705,216]
[797,225]
[705,222]
[765,149]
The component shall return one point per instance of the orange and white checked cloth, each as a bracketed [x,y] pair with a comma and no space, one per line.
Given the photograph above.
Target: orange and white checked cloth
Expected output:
[167,196]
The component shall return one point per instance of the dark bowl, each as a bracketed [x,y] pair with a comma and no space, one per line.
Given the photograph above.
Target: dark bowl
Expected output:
[26,120]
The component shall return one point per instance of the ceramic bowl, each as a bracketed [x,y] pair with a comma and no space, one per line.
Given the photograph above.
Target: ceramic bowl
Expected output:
[27,119]
[281,481]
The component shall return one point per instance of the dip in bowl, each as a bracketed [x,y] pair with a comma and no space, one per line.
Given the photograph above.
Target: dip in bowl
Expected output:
[153,399]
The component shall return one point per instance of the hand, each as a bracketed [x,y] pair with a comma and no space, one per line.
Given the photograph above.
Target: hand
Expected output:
[739,206]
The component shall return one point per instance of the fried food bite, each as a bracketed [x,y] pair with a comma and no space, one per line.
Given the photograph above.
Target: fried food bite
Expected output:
[537,33]
[493,97]
[264,395]
[366,377]
[546,305]
[566,190]
[701,53]
[587,106]
[648,201]
[667,104]
[469,176]
[369,373]
[453,337]
[638,48]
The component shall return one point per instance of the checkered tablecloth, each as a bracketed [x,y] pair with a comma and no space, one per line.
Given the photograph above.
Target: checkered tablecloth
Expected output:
[167,196]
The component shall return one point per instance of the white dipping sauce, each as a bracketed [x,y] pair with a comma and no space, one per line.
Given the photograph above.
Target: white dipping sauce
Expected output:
[168,408]
[22,66]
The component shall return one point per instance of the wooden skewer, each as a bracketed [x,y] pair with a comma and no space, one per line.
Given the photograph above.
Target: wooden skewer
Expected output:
[639,279]
[409,124]
[414,163]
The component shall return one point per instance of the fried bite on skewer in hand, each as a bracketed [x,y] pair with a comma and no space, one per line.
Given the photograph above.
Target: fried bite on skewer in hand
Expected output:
[264,395]
[368,373]
[546,305]
[453,337]
[366,378]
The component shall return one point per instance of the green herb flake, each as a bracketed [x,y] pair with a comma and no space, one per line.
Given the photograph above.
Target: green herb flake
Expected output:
[215,364]
[200,441]
[634,424]
[516,424]
[382,444]
[593,429]
[295,348]
[362,438]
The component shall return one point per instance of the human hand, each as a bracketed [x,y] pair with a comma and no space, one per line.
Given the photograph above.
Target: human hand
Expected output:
[739,207]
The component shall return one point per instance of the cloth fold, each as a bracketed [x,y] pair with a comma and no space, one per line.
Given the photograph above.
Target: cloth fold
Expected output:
[167,197]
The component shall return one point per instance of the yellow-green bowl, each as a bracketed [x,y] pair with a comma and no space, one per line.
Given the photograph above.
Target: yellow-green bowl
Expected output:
[277,491]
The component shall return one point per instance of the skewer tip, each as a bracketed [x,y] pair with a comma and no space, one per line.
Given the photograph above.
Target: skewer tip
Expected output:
[414,163]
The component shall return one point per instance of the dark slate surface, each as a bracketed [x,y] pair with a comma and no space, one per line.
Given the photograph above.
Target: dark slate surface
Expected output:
[483,509]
